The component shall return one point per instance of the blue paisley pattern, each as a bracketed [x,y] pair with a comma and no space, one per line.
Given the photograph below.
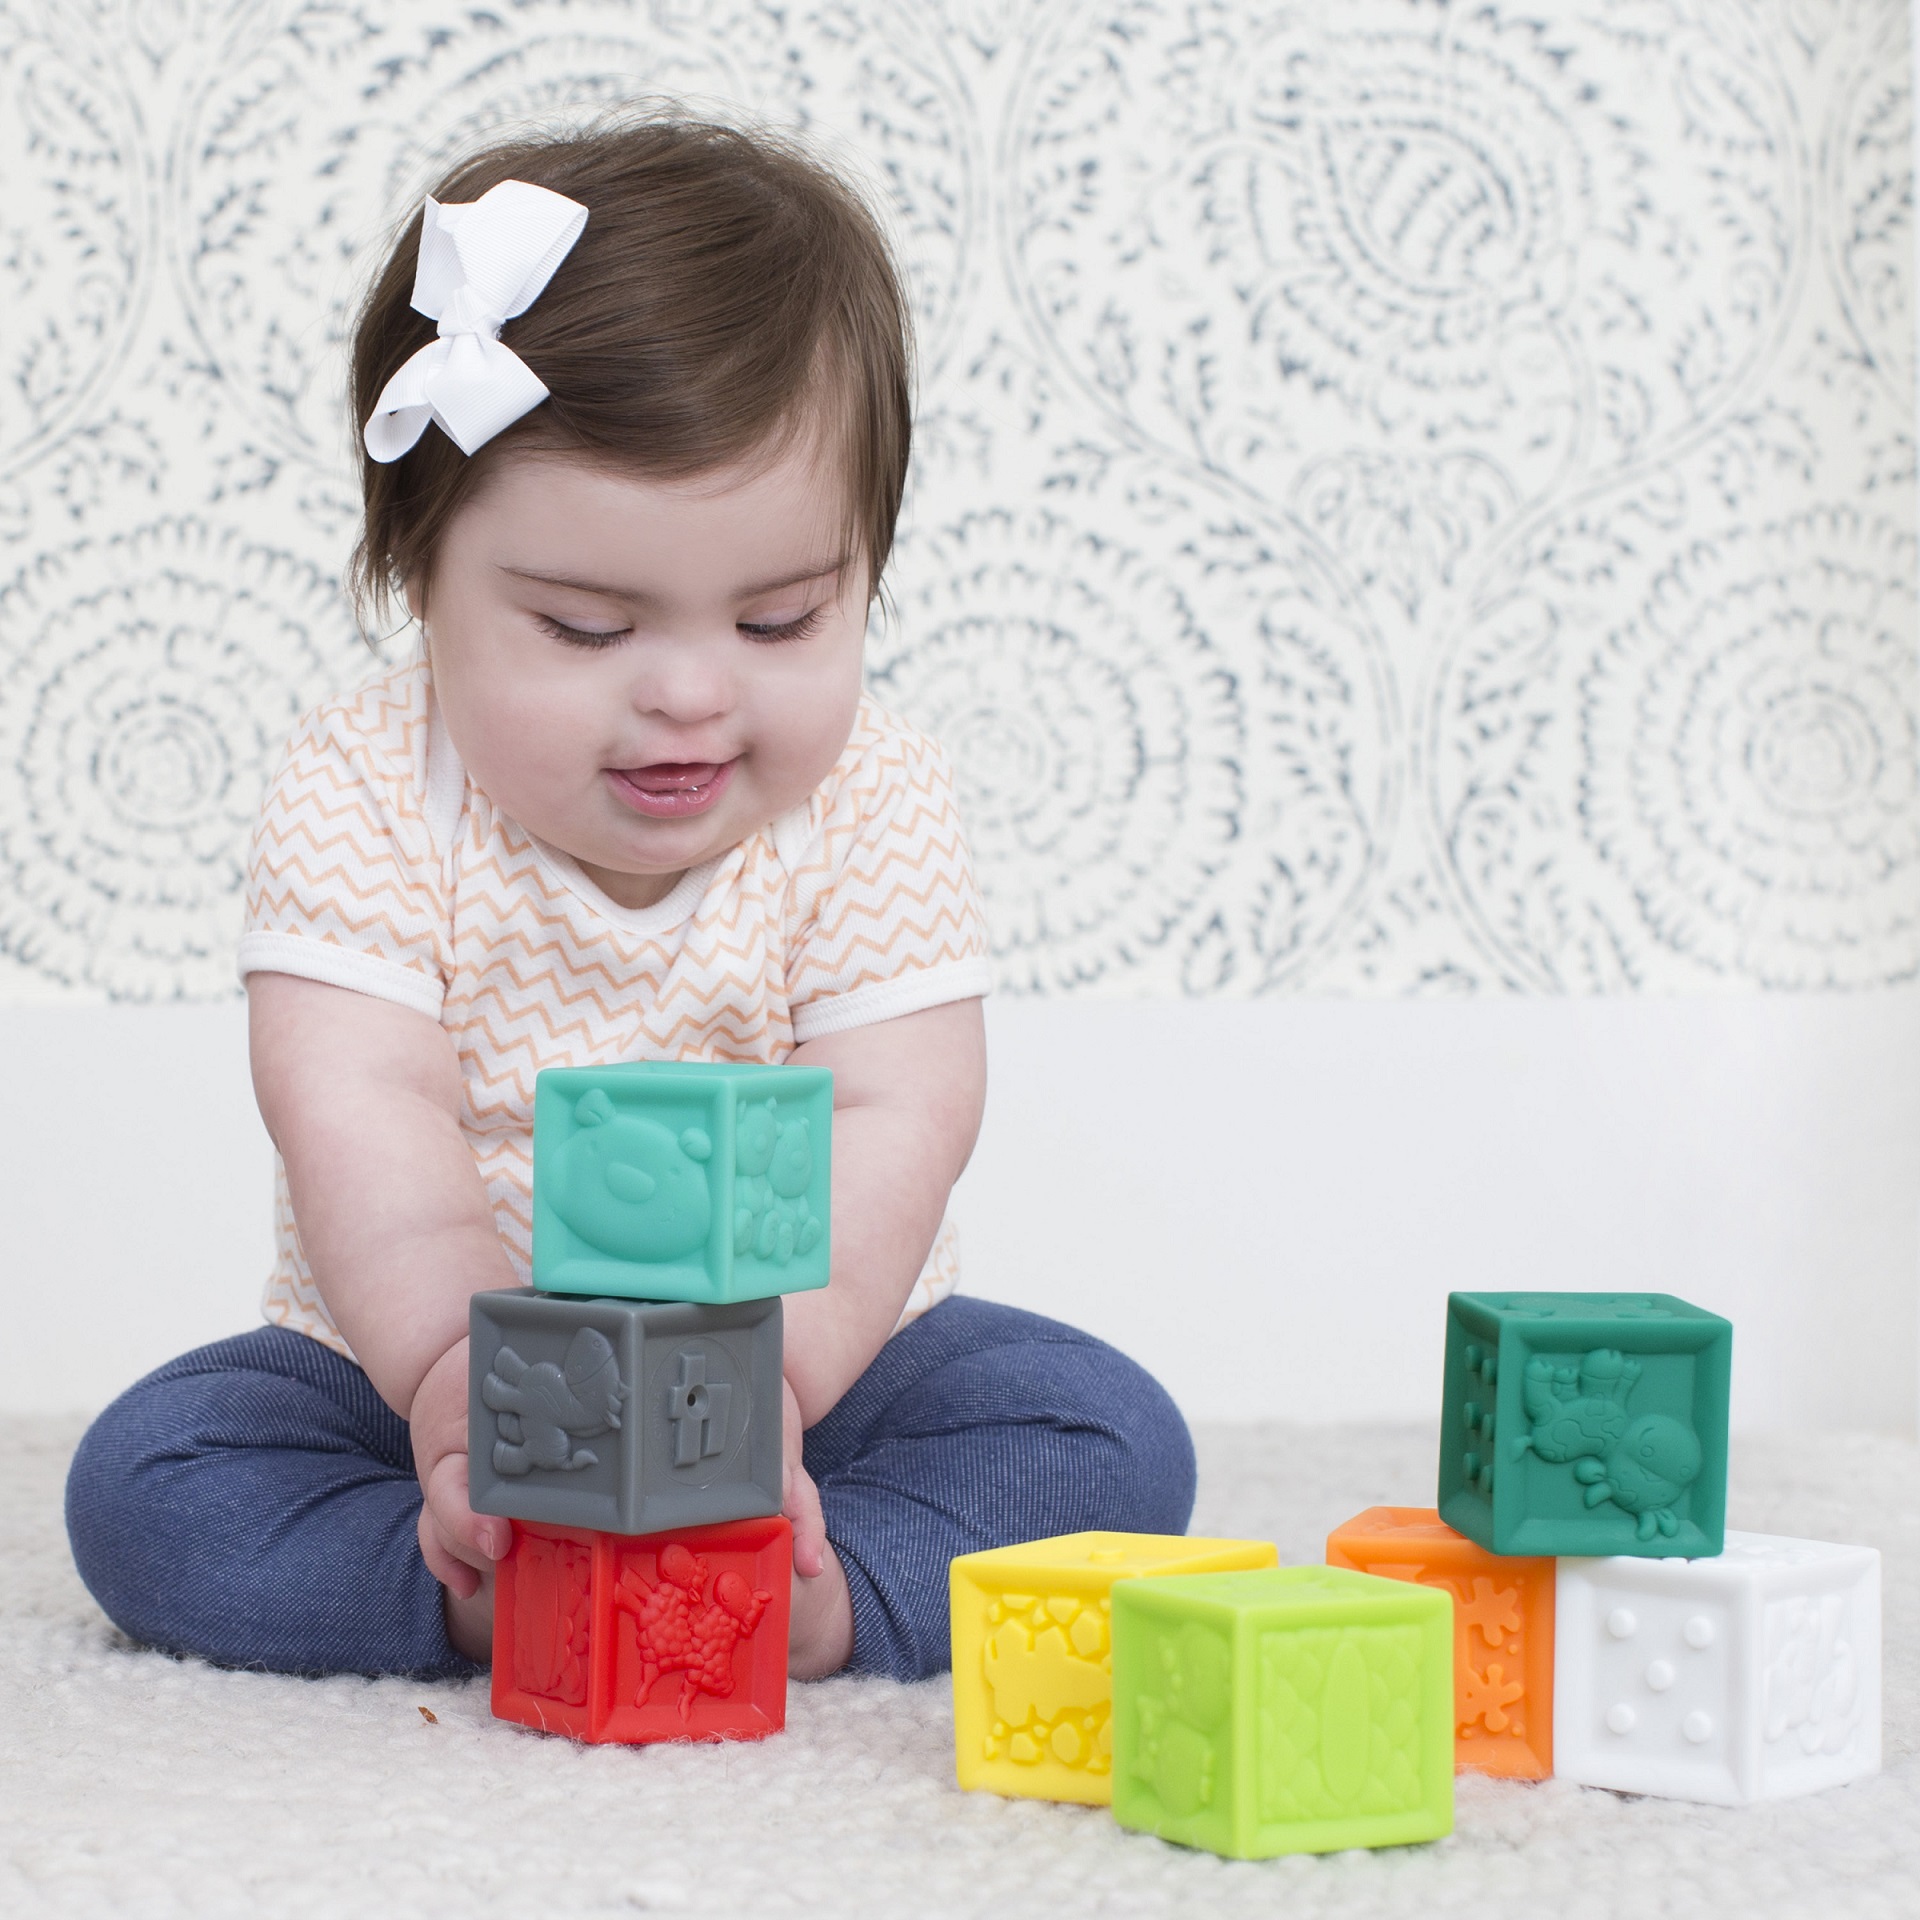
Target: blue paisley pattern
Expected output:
[1411,497]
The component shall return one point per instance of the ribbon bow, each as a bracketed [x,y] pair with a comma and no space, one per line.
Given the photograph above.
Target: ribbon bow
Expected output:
[481,263]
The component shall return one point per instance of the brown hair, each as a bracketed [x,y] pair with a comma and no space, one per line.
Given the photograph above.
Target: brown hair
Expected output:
[728,290]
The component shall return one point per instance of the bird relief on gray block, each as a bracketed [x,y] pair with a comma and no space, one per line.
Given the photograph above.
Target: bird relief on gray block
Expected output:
[543,1412]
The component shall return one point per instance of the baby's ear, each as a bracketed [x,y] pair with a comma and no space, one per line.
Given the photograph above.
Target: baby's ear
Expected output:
[593,1109]
[695,1144]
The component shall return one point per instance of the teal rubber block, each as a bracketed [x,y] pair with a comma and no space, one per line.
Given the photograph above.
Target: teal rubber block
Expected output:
[682,1181]
[1585,1424]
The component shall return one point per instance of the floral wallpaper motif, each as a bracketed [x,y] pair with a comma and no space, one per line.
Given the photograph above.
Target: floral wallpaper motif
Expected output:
[1411,497]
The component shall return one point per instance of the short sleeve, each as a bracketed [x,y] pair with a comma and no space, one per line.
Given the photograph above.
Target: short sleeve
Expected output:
[885,916]
[344,882]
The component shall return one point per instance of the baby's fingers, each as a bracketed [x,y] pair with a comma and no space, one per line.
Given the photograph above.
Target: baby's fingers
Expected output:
[475,1539]
[802,1508]
[455,1575]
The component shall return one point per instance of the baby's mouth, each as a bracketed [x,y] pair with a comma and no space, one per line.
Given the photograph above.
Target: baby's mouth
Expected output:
[672,789]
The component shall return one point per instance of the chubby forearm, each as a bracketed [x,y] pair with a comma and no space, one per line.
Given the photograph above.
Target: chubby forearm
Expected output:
[362,1100]
[908,1095]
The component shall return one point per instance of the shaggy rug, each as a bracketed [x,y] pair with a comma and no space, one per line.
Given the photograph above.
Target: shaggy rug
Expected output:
[134,1784]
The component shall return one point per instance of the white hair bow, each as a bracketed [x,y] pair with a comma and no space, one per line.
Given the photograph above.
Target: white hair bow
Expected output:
[481,263]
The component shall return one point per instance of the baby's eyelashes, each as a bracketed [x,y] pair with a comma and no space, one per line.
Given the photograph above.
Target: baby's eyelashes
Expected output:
[764,631]
[581,636]
[783,629]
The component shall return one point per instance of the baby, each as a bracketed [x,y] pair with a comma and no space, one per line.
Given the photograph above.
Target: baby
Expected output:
[637,488]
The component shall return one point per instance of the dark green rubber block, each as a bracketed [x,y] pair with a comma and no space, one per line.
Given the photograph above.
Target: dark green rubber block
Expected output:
[1585,1423]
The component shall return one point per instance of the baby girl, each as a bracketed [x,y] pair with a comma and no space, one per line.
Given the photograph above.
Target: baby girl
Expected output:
[635,405]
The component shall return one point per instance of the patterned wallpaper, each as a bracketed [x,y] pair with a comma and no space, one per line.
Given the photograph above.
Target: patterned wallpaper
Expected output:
[1411,497]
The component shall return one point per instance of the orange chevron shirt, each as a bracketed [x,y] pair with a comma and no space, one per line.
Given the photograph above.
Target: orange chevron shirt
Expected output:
[378,865]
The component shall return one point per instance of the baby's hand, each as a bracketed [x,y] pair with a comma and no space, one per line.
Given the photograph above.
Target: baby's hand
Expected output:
[456,1542]
[800,1498]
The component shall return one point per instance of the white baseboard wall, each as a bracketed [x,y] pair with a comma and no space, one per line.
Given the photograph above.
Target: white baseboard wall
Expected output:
[1266,1203]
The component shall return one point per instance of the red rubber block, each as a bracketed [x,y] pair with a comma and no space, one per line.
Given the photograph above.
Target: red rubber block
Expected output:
[637,1638]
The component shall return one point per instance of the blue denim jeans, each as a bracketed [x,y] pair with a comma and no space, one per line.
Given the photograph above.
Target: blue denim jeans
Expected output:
[254,1502]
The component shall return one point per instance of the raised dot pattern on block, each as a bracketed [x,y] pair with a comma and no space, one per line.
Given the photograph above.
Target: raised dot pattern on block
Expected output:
[1478,1418]
[1660,1675]
[1048,1665]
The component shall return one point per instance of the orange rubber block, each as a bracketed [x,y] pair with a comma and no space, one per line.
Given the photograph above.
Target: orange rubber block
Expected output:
[1502,1631]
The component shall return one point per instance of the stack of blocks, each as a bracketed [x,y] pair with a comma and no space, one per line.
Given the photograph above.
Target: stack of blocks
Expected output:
[1608,1628]
[1574,1605]
[625,1410]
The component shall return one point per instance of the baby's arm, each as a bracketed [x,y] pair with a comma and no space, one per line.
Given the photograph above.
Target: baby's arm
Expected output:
[907,1098]
[362,1098]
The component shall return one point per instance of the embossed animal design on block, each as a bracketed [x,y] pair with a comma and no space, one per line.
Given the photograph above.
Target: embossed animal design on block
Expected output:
[683,1632]
[701,1181]
[629,1186]
[774,1168]
[1033,1654]
[1585,1424]
[542,1410]
[1580,1414]
[586,1624]
[1175,1754]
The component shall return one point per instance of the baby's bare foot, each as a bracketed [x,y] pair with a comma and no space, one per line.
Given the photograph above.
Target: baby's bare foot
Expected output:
[820,1636]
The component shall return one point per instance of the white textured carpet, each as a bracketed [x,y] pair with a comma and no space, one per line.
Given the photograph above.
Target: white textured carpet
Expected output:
[139,1785]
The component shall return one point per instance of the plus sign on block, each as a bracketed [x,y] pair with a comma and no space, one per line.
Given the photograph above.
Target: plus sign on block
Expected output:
[630,1416]
[697,1412]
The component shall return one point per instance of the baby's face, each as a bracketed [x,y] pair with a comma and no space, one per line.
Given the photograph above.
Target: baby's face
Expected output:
[642,672]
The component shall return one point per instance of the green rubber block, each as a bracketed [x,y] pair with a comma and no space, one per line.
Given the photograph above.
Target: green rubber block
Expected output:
[1581,1424]
[682,1181]
[1288,1710]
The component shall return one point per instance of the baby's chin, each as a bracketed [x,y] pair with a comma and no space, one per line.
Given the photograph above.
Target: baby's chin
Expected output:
[647,857]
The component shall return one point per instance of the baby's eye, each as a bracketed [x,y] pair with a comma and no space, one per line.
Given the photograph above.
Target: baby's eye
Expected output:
[785,629]
[581,636]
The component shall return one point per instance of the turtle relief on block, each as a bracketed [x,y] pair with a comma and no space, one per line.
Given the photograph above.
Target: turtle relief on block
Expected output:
[542,1410]
[1580,1416]
[1048,1666]
[773,1168]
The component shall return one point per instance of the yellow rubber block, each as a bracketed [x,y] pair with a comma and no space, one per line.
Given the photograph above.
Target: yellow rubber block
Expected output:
[1033,1654]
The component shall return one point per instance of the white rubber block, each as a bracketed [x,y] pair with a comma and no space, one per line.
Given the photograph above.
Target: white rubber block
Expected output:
[1750,1676]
